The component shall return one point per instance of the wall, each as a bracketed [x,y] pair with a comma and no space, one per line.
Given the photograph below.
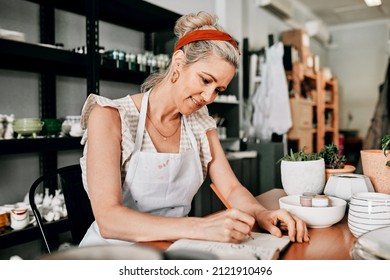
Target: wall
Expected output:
[359,61]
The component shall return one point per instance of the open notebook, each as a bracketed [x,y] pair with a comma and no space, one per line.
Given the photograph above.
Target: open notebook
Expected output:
[263,246]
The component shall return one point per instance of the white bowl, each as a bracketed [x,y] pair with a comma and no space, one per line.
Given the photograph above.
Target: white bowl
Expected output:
[358,229]
[370,198]
[345,185]
[366,214]
[315,217]
[368,211]
[368,223]
[376,243]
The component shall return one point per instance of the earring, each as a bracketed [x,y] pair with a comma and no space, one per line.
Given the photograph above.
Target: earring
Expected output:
[175,76]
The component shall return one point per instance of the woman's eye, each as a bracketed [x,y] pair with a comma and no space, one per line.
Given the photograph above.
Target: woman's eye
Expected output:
[205,81]
[218,91]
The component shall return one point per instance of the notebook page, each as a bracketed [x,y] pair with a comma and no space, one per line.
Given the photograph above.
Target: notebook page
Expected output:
[263,246]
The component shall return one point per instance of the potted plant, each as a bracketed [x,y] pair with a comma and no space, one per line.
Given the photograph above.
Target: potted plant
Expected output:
[376,165]
[335,163]
[302,172]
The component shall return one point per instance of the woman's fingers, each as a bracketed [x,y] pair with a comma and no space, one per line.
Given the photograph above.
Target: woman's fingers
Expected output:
[282,220]
[233,225]
[302,232]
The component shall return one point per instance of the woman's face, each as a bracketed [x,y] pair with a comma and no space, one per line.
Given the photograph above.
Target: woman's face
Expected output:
[201,82]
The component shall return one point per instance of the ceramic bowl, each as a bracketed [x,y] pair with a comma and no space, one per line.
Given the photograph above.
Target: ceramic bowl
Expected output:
[315,217]
[27,126]
[27,130]
[345,185]
[373,245]
[368,211]
[27,121]
[51,126]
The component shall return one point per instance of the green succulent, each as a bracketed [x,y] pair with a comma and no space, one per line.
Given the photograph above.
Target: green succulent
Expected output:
[331,155]
[386,146]
[300,156]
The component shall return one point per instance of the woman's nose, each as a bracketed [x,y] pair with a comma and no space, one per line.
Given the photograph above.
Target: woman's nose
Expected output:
[207,95]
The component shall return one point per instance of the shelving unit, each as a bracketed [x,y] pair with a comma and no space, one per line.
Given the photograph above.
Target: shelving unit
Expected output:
[50,62]
[314,103]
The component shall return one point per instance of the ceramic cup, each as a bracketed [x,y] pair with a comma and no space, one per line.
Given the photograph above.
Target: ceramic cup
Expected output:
[19,218]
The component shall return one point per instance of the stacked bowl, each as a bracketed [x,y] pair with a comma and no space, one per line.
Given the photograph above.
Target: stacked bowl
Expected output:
[27,126]
[51,126]
[368,211]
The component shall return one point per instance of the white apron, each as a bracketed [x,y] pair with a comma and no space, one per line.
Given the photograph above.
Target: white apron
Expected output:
[157,183]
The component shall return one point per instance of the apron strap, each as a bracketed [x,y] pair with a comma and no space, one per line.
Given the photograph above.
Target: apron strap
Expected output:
[141,122]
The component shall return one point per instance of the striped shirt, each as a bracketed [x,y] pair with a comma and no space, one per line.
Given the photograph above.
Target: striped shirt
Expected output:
[200,122]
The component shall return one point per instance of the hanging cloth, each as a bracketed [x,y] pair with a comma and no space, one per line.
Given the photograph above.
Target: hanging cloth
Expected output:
[272,112]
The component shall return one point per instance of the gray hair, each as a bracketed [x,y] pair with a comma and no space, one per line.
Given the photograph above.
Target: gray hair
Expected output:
[198,50]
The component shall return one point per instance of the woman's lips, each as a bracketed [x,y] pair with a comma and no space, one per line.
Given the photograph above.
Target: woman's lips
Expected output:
[196,102]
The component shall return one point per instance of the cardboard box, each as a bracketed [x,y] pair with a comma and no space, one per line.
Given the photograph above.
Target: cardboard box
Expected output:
[300,39]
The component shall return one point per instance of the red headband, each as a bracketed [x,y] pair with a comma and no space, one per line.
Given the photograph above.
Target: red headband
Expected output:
[203,34]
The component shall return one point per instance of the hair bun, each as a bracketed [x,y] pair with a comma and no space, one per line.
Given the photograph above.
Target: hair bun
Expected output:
[190,22]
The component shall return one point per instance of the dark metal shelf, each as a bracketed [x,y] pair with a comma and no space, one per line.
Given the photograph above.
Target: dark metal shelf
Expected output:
[15,237]
[122,75]
[35,145]
[32,57]
[134,14]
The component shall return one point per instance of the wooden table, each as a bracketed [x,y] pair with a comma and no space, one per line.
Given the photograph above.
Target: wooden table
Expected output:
[332,243]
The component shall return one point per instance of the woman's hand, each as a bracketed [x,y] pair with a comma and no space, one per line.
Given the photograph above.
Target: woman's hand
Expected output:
[231,225]
[280,220]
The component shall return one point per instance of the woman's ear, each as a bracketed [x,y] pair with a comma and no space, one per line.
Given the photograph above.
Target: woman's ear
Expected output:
[178,59]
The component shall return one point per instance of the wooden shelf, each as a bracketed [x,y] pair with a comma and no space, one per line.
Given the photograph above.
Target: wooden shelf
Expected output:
[325,102]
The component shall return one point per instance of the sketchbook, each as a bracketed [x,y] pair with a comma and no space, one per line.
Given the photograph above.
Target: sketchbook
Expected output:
[263,246]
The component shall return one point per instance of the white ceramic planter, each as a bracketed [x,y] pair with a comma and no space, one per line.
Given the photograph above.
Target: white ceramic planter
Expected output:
[344,186]
[303,176]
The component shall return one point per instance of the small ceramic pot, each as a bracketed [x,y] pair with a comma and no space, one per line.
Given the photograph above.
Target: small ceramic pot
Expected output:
[19,218]
[345,185]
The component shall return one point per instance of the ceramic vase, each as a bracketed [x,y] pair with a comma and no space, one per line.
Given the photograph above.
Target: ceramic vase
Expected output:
[374,166]
[303,176]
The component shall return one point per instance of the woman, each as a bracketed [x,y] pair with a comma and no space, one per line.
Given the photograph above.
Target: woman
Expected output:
[146,155]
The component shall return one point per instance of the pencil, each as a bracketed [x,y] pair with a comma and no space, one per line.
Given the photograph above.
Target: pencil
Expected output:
[224,201]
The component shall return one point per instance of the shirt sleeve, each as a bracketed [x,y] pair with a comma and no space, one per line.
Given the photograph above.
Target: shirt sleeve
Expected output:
[126,120]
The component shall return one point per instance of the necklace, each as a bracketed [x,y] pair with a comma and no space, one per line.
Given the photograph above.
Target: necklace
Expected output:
[165,137]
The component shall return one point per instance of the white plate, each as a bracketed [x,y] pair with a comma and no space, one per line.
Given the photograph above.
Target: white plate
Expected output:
[315,217]
[376,242]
